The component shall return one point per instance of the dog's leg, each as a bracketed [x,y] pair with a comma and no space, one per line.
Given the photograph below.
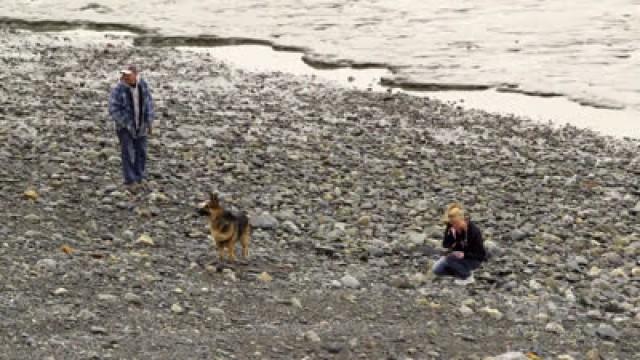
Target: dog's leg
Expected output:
[220,249]
[244,241]
[232,249]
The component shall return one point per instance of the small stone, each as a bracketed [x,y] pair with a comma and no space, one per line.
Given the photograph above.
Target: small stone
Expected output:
[350,282]
[613,259]
[265,277]
[534,285]
[145,239]
[333,347]
[216,311]
[98,330]
[494,313]
[607,332]
[493,248]
[566,357]
[312,336]
[635,272]
[593,354]
[517,235]
[554,328]
[107,297]
[48,264]
[364,220]
[416,238]
[230,275]
[510,356]
[594,271]
[132,298]
[86,315]
[32,218]
[31,195]
[618,273]
[177,309]
[296,302]
[264,221]
[158,197]
[465,310]
[60,291]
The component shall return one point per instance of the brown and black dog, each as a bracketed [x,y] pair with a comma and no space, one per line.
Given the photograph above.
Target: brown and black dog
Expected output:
[227,228]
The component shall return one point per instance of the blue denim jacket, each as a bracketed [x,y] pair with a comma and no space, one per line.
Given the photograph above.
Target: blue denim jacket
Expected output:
[122,112]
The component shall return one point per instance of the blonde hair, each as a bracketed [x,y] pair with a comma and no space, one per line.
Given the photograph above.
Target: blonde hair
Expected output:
[454,211]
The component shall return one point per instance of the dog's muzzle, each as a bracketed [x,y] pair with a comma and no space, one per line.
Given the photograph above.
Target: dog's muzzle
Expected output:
[203,209]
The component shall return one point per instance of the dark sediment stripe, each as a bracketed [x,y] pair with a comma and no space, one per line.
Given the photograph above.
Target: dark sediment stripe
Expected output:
[61,25]
[209,41]
[320,62]
[539,93]
[407,84]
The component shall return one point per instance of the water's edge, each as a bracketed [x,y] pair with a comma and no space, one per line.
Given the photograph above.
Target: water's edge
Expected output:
[272,57]
[153,37]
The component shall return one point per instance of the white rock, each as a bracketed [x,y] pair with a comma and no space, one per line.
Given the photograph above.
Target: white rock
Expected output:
[107,297]
[566,357]
[48,264]
[145,240]
[60,291]
[554,328]
[509,356]
[494,313]
[296,302]
[465,310]
[350,282]
[312,336]
[177,309]
[416,238]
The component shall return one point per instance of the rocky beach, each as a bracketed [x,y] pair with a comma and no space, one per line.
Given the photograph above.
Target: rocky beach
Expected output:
[345,189]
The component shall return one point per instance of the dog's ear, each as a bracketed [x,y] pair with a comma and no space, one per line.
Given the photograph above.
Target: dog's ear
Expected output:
[213,199]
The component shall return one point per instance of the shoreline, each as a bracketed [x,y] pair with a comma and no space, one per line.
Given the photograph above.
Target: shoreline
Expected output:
[557,110]
[505,99]
[346,182]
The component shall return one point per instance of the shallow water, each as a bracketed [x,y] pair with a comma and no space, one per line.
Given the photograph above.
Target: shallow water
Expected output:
[558,111]
[587,50]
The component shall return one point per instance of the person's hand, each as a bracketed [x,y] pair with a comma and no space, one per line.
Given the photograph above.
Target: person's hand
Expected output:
[458,254]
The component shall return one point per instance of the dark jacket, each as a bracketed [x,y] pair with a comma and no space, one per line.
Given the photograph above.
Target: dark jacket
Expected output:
[470,242]
[122,112]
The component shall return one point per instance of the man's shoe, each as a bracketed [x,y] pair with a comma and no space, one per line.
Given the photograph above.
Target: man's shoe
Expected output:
[131,188]
[465,282]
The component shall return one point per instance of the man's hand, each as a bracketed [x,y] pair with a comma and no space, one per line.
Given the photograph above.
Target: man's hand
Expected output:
[457,254]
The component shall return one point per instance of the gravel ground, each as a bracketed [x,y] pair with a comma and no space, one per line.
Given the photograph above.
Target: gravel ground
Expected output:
[345,188]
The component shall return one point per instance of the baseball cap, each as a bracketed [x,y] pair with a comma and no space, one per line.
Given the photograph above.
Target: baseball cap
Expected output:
[129,69]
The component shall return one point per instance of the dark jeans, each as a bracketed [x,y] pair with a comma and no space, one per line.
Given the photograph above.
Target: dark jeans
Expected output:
[460,268]
[133,152]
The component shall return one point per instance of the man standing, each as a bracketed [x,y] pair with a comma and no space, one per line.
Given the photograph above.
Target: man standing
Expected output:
[131,108]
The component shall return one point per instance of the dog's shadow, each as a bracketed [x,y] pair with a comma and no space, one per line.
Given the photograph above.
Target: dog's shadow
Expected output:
[245,269]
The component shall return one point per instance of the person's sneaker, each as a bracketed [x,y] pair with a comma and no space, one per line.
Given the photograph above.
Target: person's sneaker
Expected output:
[132,188]
[464,282]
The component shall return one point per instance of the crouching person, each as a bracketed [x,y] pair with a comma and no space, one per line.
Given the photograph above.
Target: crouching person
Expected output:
[463,241]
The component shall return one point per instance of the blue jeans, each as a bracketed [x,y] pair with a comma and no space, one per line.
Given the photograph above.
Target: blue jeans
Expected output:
[133,152]
[460,268]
